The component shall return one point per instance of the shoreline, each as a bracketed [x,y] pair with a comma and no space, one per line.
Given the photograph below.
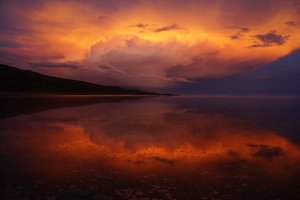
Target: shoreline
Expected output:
[78,95]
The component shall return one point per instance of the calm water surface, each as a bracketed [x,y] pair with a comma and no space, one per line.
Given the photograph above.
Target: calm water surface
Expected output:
[150,148]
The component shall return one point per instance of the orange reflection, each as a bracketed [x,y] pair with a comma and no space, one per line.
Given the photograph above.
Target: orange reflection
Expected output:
[163,138]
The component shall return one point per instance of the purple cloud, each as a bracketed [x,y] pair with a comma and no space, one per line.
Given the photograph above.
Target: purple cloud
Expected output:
[240,33]
[270,39]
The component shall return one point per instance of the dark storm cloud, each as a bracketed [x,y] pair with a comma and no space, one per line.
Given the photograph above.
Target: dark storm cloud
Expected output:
[168,28]
[270,39]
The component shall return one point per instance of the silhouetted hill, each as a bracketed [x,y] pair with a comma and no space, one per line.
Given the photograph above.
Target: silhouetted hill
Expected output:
[13,80]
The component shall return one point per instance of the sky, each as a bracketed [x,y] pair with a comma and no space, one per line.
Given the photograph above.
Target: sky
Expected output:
[147,44]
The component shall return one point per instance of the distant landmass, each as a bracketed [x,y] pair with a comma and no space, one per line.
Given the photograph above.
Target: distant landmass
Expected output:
[14,80]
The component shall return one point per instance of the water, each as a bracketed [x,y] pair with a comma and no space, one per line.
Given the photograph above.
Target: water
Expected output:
[86,147]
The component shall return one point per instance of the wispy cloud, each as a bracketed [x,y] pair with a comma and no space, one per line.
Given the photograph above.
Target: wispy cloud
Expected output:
[168,28]
[240,32]
[290,23]
[270,39]
[140,25]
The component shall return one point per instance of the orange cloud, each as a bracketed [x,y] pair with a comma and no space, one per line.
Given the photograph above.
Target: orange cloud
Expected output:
[153,44]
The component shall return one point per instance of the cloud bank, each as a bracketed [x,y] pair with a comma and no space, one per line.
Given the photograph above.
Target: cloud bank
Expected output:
[129,60]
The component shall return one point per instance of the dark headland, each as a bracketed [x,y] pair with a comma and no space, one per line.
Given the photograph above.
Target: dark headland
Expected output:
[17,81]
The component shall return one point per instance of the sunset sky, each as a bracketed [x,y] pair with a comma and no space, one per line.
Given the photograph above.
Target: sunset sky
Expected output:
[147,44]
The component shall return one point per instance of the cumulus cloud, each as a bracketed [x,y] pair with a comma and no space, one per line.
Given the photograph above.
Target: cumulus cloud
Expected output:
[129,60]
[132,61]
[270,39]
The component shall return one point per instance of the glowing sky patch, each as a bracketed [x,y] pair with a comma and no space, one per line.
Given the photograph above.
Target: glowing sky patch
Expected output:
[147,44]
